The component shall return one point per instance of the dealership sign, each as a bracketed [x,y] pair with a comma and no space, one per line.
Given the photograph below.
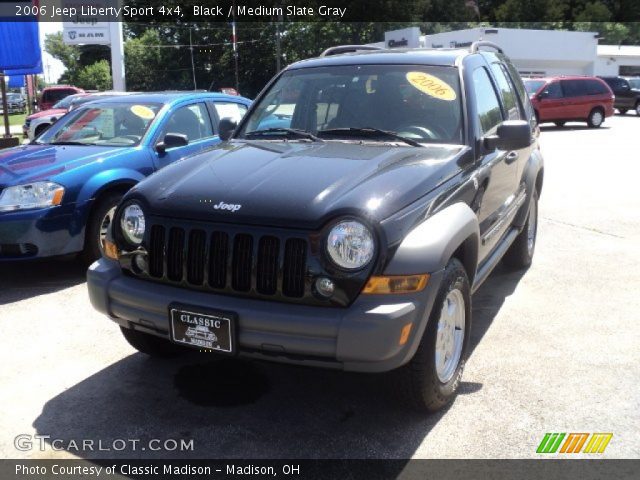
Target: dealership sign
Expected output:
[83,27]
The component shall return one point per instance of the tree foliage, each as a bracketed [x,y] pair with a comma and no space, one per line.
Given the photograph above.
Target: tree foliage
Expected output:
[96,76]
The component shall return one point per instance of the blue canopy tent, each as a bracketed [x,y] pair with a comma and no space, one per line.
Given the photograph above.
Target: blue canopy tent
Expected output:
[19,51]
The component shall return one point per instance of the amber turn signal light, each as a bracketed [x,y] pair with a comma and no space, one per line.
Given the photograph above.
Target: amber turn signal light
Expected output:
[396,284]
[57,197]
[110,250]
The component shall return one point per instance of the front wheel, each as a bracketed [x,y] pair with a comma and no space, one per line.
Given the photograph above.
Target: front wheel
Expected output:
[520,253]
[622,111]
[596,118]
[638,109]
[431,379]
[559,124]
[99,221]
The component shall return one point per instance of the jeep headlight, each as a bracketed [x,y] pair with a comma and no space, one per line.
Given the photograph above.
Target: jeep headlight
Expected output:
[132,224]
[31,195]
[350,245]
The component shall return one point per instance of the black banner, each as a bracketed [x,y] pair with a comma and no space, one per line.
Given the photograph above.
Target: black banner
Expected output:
[544,469]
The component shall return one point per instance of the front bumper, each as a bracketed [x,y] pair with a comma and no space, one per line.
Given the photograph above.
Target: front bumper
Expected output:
[363,337]
[38,233]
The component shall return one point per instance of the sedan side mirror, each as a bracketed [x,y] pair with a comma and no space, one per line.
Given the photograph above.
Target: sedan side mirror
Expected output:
[510,135]
[172,140]
[542,95]
[226,128]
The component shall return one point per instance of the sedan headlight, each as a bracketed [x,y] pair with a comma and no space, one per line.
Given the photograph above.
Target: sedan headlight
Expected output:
[31,195]
[132,224]
[350,245]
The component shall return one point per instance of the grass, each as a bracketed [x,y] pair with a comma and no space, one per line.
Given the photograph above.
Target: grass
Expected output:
[17,118]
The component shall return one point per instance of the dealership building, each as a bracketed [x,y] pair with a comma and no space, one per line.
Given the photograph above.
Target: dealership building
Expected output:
[535,53]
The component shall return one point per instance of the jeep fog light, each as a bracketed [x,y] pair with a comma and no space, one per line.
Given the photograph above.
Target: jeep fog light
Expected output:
[325,286]
[396,284]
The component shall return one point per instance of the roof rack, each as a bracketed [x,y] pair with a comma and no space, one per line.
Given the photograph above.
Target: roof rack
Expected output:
[475,46]
[347,49]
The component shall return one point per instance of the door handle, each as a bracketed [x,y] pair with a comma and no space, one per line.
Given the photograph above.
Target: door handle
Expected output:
[511,157]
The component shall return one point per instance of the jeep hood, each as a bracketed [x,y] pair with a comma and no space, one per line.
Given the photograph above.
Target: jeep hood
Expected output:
[298,184]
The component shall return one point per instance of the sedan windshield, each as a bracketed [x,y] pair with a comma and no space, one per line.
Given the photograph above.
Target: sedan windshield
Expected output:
[109,124]
[361,102]
[533,86]
[635,83]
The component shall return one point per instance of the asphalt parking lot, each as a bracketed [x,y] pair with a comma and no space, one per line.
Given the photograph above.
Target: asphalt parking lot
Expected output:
[555,349]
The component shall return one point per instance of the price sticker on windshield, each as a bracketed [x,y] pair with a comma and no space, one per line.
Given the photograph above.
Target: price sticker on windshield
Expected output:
[143,112]
[431,85]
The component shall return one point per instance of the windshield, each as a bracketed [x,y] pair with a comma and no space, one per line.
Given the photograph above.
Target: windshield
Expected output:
[533,86]
[14,97]
[418,102]
[635,83]
[111,124]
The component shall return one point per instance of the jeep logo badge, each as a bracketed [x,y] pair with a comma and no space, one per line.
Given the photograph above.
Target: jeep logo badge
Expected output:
[228,206]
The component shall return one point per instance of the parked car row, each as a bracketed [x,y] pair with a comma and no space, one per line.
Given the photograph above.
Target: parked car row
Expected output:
[582,99]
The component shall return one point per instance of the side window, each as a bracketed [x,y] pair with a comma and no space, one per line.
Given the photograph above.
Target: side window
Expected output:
[232,110]
[553,90]
[522,92]
[506,90]
[190,120]
[487,103]
[574,88]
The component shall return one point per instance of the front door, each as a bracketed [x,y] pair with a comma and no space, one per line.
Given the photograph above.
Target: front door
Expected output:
[194,122]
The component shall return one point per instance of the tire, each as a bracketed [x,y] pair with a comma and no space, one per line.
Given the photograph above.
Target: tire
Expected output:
[559,124]
[40,129]
[96,226]
[622,111]
[520,253]
[638,109]
[425,384]
[150,344]
[595,118]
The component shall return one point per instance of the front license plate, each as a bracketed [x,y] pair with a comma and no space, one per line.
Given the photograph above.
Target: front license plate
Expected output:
[202,328]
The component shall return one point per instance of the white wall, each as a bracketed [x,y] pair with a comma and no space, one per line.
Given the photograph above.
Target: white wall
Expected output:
[552,52]
[612,57]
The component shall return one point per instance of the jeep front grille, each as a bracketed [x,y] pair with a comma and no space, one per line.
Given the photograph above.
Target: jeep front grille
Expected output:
[234,262]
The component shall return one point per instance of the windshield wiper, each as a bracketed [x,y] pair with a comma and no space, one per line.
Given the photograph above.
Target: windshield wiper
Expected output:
[293,131]
[70,143]
[369,132]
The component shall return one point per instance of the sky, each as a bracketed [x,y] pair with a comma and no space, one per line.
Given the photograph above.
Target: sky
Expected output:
[52,68]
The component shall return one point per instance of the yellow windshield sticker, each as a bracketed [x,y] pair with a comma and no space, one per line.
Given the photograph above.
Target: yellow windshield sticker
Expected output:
[431,85]
[143,112]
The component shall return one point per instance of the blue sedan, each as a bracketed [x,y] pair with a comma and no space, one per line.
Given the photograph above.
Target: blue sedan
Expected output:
[58,194]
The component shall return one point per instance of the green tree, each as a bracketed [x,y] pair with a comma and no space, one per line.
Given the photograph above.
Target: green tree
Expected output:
[95,77]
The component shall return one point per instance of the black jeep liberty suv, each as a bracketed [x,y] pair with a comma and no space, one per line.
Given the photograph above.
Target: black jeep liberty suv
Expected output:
[345,222]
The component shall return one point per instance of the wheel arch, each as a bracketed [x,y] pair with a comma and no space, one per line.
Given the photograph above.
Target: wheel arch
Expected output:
[451,232]
[533,178]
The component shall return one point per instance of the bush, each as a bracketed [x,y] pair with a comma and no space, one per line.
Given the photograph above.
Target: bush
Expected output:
[96,76]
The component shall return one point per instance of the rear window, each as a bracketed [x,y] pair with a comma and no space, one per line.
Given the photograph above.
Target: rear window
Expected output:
[55,95]
[533,86]
[595,87]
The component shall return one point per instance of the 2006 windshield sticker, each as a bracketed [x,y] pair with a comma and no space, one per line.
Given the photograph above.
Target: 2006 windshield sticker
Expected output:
[431,85]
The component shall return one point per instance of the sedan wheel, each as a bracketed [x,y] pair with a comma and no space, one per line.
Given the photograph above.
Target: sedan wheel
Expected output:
[638,108]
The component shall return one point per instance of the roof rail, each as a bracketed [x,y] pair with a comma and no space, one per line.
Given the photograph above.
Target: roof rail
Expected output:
[347,49]
[475,46]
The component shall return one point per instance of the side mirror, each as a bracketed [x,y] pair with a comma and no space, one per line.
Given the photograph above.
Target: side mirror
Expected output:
[510,135]
[172,140]
[226,128]
[543,94]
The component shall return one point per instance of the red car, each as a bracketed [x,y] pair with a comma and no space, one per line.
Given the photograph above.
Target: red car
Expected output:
[570,99]
[52,95]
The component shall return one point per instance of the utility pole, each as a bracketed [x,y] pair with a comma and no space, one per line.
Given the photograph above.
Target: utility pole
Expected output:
[278,44]
[193,66]
[234,41]
[5,106]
